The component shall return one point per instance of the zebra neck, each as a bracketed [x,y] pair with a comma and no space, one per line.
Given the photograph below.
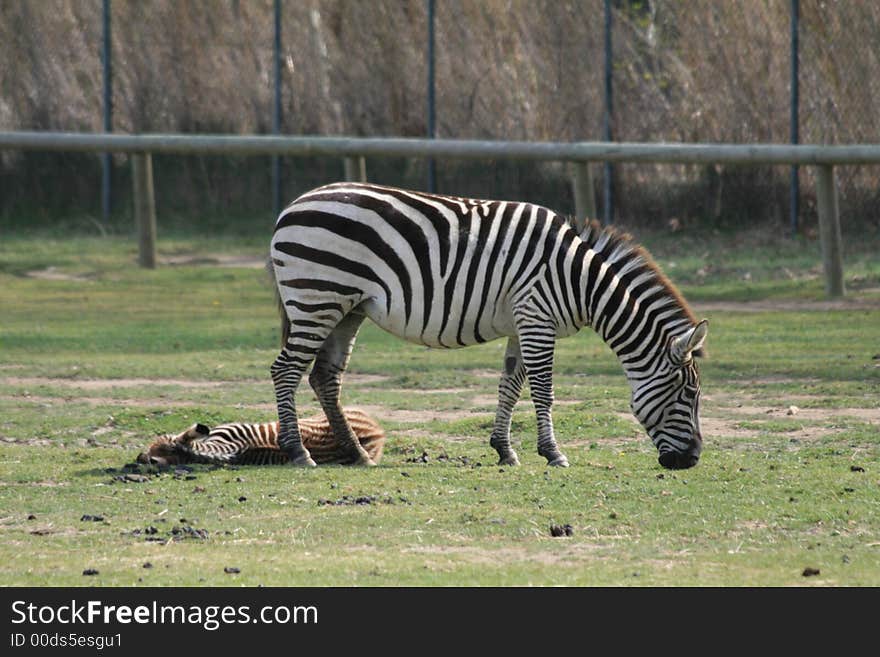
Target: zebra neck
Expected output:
[631,306]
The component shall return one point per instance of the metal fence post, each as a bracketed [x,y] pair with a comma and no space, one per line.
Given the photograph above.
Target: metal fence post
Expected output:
[144,208]
[432,116]
[606,121]
[584,196]
[795,186]
[276,112]
[829,230]
[106,56]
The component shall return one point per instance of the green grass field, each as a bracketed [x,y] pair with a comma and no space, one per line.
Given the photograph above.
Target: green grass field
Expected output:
[98,356]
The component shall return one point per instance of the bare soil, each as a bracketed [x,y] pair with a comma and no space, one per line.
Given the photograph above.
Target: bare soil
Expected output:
[723,415]
[796,305]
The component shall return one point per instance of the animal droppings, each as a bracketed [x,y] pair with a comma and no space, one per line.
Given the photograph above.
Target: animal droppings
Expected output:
[180,533]
[561,530]
[419,459]
[363,500]
[132,478]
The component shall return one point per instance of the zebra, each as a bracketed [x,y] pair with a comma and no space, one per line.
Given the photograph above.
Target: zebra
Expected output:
[449,272]
[242,443]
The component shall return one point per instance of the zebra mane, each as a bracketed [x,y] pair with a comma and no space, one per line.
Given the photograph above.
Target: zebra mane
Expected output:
[624,255]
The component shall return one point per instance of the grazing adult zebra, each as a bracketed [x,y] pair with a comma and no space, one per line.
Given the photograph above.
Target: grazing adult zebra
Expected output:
[450,272]
[242,443]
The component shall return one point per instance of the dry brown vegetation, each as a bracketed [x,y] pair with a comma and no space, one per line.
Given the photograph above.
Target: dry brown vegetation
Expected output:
[696,71]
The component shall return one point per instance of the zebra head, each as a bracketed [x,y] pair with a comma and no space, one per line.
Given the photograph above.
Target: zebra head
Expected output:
[668,402]
[172,450]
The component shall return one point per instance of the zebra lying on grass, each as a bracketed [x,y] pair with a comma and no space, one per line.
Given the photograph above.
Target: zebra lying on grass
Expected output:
[449,272]
[257,444]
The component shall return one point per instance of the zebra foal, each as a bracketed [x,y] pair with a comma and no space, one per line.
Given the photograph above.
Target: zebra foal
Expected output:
[449,272]
[239,443]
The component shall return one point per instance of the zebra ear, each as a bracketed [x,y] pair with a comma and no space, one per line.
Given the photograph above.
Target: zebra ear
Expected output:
[194,432]
[689,344]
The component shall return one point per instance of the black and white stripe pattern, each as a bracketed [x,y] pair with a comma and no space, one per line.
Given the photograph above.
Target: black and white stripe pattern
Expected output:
[245,443]
[238,443]
[449,272]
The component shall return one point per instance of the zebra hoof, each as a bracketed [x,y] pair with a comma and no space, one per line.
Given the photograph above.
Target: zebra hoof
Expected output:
[510,459]
[304,461]
[559,462]
[365,461]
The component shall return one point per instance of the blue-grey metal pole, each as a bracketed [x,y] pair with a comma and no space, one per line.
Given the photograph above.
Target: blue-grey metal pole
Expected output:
[276,112]
[432,116]
[606,123]
[108,111]
[795,185]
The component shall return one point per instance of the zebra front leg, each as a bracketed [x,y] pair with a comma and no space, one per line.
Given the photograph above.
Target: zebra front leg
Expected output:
[326,381]
[537,343]
[287,371]
[509,389]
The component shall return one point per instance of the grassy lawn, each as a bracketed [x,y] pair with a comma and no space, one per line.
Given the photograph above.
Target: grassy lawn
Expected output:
[98,356]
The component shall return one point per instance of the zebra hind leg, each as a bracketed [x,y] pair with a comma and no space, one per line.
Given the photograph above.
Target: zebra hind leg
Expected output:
[306,328]
[509,389]
[287,371]
[326,381]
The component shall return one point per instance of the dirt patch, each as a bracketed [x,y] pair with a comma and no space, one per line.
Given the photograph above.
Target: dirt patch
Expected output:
[486,374]
[561,553]
[52,274]
[723,414]
[368,379]
[102,401]
[247,262]
[404,392]
[725,420]
[870,415]
[103,384]
[522,404]
[385,413]
[769,305]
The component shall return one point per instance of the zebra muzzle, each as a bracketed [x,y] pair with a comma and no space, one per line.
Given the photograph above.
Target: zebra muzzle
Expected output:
[678,460]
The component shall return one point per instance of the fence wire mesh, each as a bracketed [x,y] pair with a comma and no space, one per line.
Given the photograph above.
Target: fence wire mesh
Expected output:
[700,71]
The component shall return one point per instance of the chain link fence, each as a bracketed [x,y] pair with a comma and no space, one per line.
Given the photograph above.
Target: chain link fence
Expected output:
[700,71]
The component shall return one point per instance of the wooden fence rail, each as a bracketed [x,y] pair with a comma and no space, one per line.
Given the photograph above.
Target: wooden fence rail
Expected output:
[580,154]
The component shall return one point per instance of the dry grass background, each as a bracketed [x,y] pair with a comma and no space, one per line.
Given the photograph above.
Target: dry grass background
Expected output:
[696,71]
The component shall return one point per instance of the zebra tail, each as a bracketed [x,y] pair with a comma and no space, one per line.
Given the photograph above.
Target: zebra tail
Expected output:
[282,313]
